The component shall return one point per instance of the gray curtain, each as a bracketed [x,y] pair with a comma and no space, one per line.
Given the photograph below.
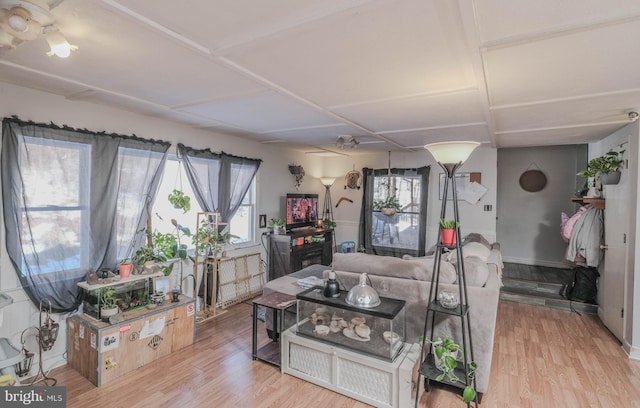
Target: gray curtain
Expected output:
[402,233]
[219,180]
[74,201]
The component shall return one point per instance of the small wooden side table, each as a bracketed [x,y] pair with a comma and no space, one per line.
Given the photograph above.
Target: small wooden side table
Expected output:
[278,302]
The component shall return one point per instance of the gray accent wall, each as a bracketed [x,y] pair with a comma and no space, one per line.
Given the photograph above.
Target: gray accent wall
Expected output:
[528,224]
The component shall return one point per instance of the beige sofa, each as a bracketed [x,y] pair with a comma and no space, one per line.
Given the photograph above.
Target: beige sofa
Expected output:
[410,280]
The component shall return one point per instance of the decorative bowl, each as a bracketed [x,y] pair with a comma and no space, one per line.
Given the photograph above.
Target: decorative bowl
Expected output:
[448,300]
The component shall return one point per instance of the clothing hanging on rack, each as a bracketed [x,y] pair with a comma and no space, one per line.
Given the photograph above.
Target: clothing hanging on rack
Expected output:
[586,237]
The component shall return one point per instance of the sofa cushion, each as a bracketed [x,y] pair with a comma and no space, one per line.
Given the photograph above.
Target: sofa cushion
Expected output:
[475,237]
[447,270]
[418,269]
[476,271]
[471,249]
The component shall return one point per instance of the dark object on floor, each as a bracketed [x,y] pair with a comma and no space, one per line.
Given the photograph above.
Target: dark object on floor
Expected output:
[584,287]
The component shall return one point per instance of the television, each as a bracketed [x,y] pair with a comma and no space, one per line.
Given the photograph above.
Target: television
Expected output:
[302,210]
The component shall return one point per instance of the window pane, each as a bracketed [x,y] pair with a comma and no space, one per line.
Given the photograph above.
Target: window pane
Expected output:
[243,222]
[57,238]
[400,230]
[51,176]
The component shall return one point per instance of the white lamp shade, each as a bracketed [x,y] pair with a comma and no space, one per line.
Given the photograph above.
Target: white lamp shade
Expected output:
[451,152]
[327,181]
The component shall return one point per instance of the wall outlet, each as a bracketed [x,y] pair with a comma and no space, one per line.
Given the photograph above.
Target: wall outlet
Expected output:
[488,207]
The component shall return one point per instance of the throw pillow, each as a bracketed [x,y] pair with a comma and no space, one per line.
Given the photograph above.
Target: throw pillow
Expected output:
[425,268]
[475,237]
[471,249]
[476,271]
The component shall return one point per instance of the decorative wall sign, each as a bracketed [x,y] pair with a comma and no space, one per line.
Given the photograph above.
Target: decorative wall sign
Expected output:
[533,181]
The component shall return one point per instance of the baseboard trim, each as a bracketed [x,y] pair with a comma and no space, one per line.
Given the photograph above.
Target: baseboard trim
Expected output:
[632,352]
[550,264]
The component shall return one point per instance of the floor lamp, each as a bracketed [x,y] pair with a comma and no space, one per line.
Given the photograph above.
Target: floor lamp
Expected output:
[327,210]
[450,156]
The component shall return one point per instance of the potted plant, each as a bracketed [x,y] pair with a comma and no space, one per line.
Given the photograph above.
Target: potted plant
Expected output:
[125,268]
[448,232]
[606,168]
[180,200]
[610,165]
[329,224]
[108,303]
[446,353]
[277,224]
[390,205]
[165,248]
[209,239]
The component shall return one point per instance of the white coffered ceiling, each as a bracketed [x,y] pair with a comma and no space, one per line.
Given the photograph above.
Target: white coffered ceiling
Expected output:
[394,74]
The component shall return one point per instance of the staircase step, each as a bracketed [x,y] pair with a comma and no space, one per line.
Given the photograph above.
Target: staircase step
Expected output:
[533,286]
[546,300]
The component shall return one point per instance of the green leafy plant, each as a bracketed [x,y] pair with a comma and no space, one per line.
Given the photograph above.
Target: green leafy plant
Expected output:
[108,299]
[391,201]
[180,200]
[446,351]
[165,247]
[276,222]
[327,223]
[611,161]
[208,237]
[448,224]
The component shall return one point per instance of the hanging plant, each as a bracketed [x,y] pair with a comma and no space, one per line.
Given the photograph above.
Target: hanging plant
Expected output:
[390,205]
[180,200]
[298,172]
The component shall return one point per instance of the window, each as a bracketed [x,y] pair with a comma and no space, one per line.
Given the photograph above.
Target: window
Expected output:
[403,232]
[54,217]
[242,224]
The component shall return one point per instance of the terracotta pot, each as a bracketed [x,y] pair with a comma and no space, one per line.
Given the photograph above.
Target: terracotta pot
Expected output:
[125,270]
[448,237]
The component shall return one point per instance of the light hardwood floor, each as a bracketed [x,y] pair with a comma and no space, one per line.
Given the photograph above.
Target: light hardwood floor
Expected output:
[542,358]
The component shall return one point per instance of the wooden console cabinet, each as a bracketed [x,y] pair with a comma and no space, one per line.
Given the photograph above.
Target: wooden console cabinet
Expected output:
[102,352]
[296,250]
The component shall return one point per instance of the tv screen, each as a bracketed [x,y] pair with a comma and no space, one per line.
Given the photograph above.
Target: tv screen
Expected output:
[302,210]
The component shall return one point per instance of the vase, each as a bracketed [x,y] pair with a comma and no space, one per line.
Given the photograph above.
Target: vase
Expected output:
[448,237]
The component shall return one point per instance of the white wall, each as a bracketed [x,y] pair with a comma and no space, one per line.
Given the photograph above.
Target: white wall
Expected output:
[274,181]
[529,223]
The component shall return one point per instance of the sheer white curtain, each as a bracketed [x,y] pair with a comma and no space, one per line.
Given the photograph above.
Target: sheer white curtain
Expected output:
[74,201]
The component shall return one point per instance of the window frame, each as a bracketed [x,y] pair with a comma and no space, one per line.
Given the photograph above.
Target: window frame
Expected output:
[84,190]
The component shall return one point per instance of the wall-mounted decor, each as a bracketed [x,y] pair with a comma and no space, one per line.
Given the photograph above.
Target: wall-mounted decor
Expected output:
[533,180]
[468,187]
[298,172]
[353,179]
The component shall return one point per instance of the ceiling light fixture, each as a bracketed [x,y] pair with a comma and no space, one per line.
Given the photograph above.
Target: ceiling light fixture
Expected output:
[19,19]
[58,43]
[347,141]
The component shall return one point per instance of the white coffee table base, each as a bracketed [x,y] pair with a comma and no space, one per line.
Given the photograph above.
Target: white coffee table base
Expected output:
[367,379]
